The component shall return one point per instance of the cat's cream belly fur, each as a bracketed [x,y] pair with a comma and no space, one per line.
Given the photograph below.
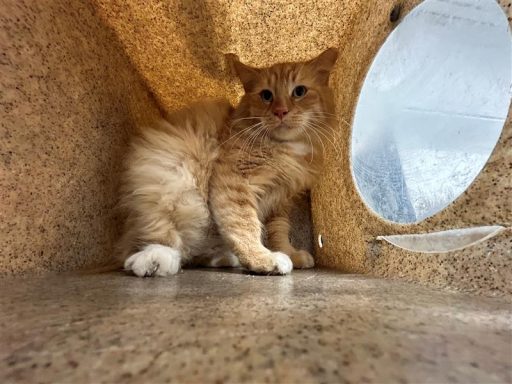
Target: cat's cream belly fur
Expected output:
[167,196]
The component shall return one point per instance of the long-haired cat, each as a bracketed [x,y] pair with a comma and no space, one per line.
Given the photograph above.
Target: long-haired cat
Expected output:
[205,185]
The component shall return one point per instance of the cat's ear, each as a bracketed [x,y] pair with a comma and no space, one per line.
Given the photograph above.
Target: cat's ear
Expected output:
[323,64]
[248,75]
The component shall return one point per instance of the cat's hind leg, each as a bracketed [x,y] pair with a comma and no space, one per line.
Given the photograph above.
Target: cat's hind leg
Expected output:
[154,260]
[225,260]
[228,260]
[216,255]
[278,232]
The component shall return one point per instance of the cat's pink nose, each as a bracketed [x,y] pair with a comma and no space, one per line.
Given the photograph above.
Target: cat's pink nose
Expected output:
[280,112]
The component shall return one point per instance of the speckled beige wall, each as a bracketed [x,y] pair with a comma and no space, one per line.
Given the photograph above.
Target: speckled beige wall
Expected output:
[349,228]
[68,99]
[178,45]
[69,96]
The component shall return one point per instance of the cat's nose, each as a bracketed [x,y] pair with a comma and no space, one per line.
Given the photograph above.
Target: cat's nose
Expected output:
[280,112]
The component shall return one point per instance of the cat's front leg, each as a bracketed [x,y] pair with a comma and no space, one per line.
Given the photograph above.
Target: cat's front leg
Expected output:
[278,233]
[235,211]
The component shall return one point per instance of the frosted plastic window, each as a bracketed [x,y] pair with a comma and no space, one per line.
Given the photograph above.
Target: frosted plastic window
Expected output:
[432,108]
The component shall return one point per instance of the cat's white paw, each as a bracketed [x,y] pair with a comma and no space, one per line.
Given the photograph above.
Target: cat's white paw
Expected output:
[283,263]
[270,263]
[154,260]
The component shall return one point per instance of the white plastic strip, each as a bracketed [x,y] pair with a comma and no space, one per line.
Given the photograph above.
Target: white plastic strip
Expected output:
[444,241]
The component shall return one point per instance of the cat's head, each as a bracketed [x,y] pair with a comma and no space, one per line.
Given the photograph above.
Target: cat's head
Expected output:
[287,99]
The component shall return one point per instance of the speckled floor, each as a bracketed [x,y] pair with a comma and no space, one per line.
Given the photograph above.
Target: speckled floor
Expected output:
[223,326]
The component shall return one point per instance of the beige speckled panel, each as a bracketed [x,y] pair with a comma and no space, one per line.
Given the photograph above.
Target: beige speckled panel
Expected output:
[348,227]
[68,98]
[482,269]
[175,45]
[178,45]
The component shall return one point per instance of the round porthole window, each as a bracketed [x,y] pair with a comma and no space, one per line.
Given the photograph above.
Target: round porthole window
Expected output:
[432,108]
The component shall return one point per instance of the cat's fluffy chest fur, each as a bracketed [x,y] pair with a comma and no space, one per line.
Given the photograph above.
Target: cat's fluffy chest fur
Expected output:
[284,172]
[207,183]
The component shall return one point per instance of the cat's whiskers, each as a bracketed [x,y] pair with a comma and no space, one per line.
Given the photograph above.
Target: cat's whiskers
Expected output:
[244,143]
[265,134]
[248,153]
[253,140]
[308,125]
[261,132]
[248,140]
[241,120]
[322,134]
[327,129]
[236,121]
[323,131]
[240,134]
[320,140]
[329,115]
[312,147]
[244,134]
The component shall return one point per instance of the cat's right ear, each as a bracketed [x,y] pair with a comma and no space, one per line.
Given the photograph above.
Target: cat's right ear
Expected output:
[248,75]
[323,64]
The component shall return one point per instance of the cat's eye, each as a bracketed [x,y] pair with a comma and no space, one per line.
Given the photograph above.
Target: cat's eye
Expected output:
[299,91]
[266,96]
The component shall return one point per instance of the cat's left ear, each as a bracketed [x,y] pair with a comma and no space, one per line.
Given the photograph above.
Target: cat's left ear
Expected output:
[248,75]
[323,64]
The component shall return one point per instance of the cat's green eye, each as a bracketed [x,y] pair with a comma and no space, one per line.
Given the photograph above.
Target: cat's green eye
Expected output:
[266,96]
[299,91]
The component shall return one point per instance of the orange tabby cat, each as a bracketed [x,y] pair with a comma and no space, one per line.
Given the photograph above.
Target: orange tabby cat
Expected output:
[204,185]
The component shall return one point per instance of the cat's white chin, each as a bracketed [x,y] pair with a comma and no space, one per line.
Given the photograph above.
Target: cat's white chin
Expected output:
[285,133]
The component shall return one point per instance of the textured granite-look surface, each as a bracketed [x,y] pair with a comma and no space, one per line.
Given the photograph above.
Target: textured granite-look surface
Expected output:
[179,46]
[482,269]
[68,99]
[69,96]
[349,228]
[222,326]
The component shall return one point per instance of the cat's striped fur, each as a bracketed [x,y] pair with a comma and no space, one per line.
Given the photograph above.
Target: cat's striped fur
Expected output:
[204,186]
